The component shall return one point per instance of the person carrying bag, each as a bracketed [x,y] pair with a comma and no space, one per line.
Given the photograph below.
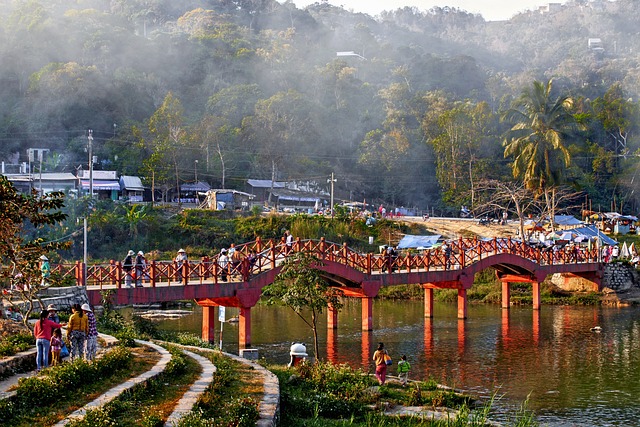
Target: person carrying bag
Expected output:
[380,358]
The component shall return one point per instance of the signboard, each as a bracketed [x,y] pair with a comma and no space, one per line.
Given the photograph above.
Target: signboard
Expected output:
[221,314]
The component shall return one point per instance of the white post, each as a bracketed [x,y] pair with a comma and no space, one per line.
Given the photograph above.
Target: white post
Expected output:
[90,138]
[84,223]
[332,181]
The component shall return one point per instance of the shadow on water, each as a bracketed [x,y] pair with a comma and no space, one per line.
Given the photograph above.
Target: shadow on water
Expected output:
[574,376]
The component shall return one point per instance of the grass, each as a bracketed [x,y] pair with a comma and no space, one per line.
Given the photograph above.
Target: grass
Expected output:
[69,400]
[149,404]
[328,395]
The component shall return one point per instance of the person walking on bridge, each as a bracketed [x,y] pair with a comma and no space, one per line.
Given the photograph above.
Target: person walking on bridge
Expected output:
[141,268]
[223,263]
[127,266]
[180,260]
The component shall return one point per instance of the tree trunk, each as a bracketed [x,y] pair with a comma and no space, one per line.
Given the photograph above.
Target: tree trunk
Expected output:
[314,326]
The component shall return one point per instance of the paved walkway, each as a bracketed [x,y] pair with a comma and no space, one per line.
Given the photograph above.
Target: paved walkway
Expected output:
[119,389]
[190,398]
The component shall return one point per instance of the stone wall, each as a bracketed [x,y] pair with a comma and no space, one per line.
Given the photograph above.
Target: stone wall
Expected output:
[64,298]
[620,278]
[619,281]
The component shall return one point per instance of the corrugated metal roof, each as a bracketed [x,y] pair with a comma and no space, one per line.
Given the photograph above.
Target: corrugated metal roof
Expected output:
[131,183]
[99,184]
[264,183]
[195,186]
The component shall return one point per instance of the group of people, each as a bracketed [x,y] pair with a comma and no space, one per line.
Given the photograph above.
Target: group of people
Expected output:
[82,334]
[382,361]
[134,266]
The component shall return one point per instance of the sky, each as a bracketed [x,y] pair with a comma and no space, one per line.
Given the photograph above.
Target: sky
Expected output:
[491,10]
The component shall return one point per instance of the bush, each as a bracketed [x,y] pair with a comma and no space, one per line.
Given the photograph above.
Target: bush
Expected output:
[43,390]
[16,343]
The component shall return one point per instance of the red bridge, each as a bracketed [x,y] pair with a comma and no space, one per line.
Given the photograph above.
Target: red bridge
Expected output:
[356,274]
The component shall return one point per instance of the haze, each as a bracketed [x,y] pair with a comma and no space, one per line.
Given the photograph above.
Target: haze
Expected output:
[491,10]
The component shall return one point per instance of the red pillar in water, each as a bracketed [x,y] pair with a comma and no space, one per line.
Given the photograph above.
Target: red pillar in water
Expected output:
[332,318]
[506,295]
[462,303]
[367,314]
[244,327]
[208,324]
[536,295]
[428,303]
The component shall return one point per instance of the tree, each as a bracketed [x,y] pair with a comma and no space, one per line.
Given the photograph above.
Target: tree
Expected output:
[20,216]
[169,136]
[507,196]
[301,287]
[536,140]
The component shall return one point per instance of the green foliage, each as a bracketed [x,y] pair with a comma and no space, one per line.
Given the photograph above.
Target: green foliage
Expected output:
[323,390]
[43,390]
[300,286]
[13,344]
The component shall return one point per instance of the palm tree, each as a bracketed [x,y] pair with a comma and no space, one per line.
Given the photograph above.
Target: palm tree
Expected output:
[540,126]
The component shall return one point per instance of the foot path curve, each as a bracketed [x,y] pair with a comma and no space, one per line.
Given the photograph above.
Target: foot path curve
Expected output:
[103,399]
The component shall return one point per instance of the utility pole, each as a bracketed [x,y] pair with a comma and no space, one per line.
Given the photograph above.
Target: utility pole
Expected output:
[332,180]
[90,138]
[84,248]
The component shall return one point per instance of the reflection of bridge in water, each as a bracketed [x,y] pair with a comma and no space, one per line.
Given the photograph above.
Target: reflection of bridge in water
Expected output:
[239,283]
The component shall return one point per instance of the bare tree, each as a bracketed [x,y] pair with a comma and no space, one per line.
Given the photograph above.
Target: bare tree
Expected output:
[508,196]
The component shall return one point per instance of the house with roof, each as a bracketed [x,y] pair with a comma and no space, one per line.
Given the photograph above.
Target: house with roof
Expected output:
[260,188]
[105,183]
[296,195]
[47,182]
[131,188]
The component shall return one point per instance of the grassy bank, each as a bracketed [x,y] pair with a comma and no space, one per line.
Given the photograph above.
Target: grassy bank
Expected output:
[329,395]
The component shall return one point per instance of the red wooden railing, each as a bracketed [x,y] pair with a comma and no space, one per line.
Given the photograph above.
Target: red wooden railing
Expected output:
[270,254]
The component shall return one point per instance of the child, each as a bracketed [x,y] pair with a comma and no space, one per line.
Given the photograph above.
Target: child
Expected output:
[56,346]
[403,370]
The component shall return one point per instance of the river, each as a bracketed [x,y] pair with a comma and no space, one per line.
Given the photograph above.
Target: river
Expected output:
[573,376]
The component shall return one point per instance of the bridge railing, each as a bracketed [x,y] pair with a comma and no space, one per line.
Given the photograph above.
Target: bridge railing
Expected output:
[256,257]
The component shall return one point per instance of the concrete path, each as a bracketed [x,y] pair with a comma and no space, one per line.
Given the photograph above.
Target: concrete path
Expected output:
[118,390]
[269,405]
[190,398]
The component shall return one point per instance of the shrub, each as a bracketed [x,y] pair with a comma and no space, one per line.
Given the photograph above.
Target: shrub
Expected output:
[16,343]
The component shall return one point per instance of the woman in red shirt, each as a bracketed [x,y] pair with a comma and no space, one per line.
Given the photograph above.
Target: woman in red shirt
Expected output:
[42,332]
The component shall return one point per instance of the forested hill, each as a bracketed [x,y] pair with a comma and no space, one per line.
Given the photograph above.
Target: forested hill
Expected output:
[254,88]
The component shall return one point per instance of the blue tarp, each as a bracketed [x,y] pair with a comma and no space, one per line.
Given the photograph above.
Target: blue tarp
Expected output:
[591,232]
[567,220]
[411,241]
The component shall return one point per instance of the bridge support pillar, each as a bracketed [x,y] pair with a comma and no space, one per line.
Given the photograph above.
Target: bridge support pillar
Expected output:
[506,295]
[462,303]
[208,323]
[332,318]
[428,303]
[367,314]
[244,327]
[535,289]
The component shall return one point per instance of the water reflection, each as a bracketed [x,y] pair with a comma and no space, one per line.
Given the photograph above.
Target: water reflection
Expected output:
[574,377]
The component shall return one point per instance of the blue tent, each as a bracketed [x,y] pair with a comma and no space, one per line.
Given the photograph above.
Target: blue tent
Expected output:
[423,242]
[591,232]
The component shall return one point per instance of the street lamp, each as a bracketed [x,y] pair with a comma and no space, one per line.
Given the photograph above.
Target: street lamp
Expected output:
[195,168]
[332,180]
[90,138]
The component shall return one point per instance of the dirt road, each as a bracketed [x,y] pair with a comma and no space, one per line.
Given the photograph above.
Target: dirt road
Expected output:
[452,228]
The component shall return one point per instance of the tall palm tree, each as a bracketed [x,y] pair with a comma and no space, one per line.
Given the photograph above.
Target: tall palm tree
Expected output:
[540,126]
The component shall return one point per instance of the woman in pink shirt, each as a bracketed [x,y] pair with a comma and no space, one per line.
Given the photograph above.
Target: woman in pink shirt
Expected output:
[42,331]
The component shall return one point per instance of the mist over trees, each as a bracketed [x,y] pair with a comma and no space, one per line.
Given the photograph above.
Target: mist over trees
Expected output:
[254,89]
